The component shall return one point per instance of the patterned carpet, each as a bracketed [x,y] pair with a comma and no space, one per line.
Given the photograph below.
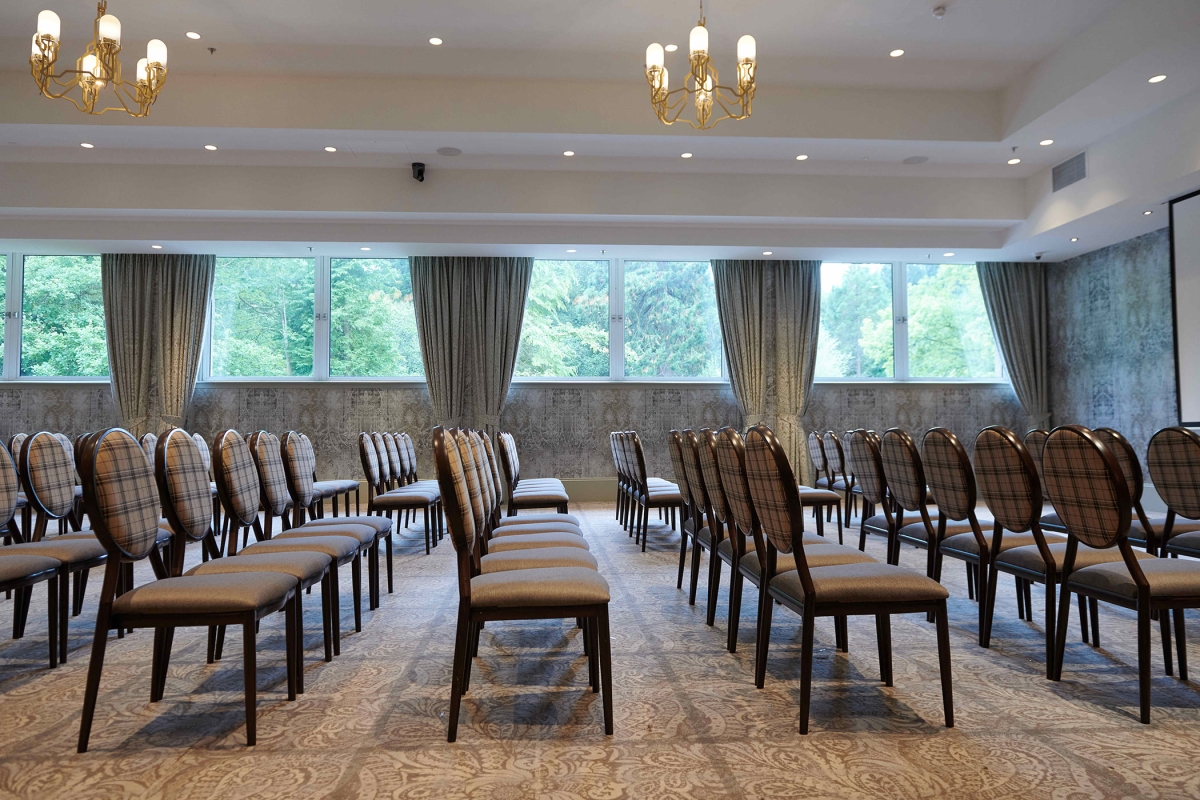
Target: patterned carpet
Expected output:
[689,722]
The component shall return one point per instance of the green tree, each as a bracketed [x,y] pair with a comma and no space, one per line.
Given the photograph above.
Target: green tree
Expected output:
[62,326]
[565,330]
[262,321]
[856,321]
[373,322]
[949,335]
[671,325]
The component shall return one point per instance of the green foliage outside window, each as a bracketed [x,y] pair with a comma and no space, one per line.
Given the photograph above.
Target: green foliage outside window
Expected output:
[372,319]
[949,335]
[856,337]
[62,327]
[671,324]
[262,321]
[565,331]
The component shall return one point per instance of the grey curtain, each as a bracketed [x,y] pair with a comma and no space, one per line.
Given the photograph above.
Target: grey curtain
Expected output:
[469,315]
[770,314]
[1015,296]
[154,311]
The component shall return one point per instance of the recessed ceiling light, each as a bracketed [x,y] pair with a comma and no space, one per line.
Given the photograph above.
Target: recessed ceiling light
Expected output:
[767,253]
[947,255]
[916,159]
[568,152]
[896,53]
[210,147]
[1046,142]
[192,35]
[156,247]
[802,158]
[86,145]
[671,48]
[330,149]
[1074,238]
[1014,161]
[570,251]
[435,41]
[1147,213]
[1158,79]
[685,155]
[364,249]
[449,151]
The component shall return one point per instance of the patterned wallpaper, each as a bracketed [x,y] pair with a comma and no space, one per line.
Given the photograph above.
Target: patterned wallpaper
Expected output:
[1112,358]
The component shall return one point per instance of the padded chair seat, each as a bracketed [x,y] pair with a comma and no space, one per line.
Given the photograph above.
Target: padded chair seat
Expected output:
[212,487]
[1051,520]
[822,483]
[363,534]
[839,485]
[810,540]
[380,524]
[916,530]
[965,542]
[547,496]
[537,527]
[557,586]
[1185,544]
[1030,559]
[1168,577]
[1137,532]
[661,482]
[818,555]
[66,550]
[331,488]
[206,594]
[304,565]
[532,540]
[537,558]
[405,497]
[665,496]
[522,519]
[17,568]
[876,525]
[862,583]
[22,500]
[336,547]
[818,497]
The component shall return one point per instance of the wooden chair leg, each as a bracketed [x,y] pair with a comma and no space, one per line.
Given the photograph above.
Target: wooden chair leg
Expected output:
[1180,642]
[1083,620]
[64,581]
[683,546]
[606,671]
[765,605]
[356,583]
[1164,627]
[461,637]
[806,654]
[695,574]
[52,618]
[943,637]
[714,585]
[327,611]
[883,633]
[1060,632]
[250,677]
[1094,613]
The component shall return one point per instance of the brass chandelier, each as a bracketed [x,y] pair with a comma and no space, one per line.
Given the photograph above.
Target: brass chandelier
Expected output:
[702,86]
[97,68]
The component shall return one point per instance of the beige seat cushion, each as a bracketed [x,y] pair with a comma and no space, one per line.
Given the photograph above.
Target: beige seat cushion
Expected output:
[206,594]
[1050,519]
[537,527]
[557,586]
[1185,543]
[526,541]
[665,495]
[16,568]
[862,583]
[1168,577]
[67,550]
[818,497]
[521,519]
[965,542]
[876,525]
[303,565]
[547,496]
[1029,558]
[360,533]
[809,540]
[330,488]
[818,555]
[399,498]
[537,558]
[336,547]
[916,529]
[380,524]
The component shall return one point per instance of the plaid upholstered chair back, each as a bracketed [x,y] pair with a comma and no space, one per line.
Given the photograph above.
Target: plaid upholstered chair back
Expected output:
[182,478]
[452,481]
[14,446]
[1086,486]
[1126,457]
[507,462]
[948,469]
[119,491]
[711,473]
[816,451]
[1174,461]
[493,466]
[205,453]
[624,444]
[903,468]
[675,446]
[393,453]
[298,466]
[835,458]
[149,444]
[272,475]
[402,452]
[483,471]
[1035,442]
[471,474]
[689,447]
[49,474]
[514,458]
[412,456]
[381,454]
[369,458]
[237,478]
[9,487]
[868,466]
[772,489]
[1008,479]
[731,461]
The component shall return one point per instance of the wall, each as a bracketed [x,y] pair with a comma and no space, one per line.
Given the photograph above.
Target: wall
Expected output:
[1112,358]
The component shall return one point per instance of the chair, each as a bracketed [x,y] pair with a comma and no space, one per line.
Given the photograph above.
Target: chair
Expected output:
[537,593]
[537,492]
[381,500]
[1035,441]
[19,573]
[332,488]
[123,505]
[1089,492]
[865,588]
[499,521]
[839,480]
[1174,461]
[1144,528]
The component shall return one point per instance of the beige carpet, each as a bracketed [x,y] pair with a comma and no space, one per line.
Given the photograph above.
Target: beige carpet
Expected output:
[689,722]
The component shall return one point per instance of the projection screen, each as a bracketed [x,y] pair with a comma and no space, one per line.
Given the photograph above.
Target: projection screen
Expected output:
[1185,269]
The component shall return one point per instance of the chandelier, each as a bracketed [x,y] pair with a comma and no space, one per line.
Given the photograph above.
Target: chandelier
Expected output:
[702,86]
[97,68]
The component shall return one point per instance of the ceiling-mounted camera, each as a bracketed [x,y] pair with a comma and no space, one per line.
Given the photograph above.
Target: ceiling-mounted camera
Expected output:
[418,169]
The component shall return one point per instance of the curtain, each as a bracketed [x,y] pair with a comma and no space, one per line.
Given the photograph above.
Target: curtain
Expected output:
[154,312]
[770,314]
[1015,296]
[469,314]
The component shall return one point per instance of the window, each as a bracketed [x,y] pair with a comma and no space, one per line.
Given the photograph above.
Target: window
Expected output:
[671,325]
[3,303]
[949,335]
[372,319]
[565,331]
[62,317]
[856,338]
[262,317]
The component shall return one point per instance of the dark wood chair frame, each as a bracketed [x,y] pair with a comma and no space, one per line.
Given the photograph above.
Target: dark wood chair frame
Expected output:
[433,528]
[514,479]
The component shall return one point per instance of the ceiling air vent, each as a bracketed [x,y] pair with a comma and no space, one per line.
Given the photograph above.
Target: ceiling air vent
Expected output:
[1070,171]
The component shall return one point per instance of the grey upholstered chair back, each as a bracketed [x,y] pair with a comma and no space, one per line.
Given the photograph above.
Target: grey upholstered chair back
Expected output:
[381,453]
[868,466]
[1008,480]
[369,457]
[202,446]
[412,456]
[237,477]
[452,481]
[49,474]
[1086,486]
[271,474]
[771,485]
[393,454]
[675,445]
[948,470]
[183,485]
[711,472]
[299,465]
[1035,442]
[731,461]
[835,456]
[1126,457]
[149,444]
[483,472]
[1174,461]
[903,468]
[816,451]
[689,446]
[122,499]
[493,466]
[10,485]
[471,473]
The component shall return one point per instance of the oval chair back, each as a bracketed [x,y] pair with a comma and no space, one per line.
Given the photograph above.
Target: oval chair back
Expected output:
[184,491]
[1174,461]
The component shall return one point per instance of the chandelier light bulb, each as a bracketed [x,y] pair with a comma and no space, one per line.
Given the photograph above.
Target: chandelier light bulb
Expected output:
[666,81]
[49,24]
[109,27]
[698,40]
[91,66]
[747,48]
[37,50]
[156,52]
[654,56]
[142,70]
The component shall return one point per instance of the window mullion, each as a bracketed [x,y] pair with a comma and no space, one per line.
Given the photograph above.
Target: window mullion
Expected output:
[12,315]
[616,319]
[321,304]
[900,319]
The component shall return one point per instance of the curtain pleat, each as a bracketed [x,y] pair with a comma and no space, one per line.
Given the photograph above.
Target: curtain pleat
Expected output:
[154,312]
[500,289]
[1015,296]
[798,321]
[740,289]
[439,297]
